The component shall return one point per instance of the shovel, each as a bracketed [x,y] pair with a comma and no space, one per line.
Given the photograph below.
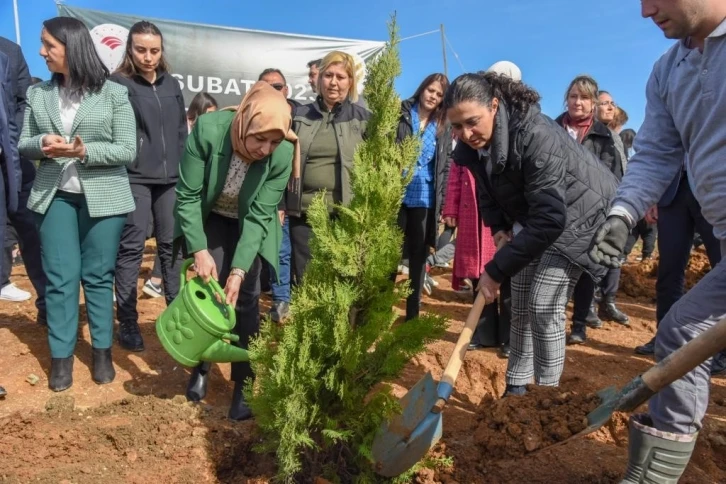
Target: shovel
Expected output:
[668,370]
[405,439]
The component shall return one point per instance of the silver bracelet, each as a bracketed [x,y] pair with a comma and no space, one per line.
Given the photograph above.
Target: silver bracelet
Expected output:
[237,272]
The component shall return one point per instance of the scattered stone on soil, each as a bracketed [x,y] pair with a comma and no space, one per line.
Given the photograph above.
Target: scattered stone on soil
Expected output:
[33,379]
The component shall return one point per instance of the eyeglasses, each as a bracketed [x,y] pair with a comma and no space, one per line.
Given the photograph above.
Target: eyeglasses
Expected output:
[279,87]
[608,103]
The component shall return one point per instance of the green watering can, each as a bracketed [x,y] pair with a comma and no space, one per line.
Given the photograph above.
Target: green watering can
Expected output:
[195,327]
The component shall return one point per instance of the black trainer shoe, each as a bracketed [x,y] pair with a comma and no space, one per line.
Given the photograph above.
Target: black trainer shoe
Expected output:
[129,336]
[646,349]
[515,390]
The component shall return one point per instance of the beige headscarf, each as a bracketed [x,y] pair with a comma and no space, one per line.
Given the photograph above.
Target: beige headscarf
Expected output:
[262,110]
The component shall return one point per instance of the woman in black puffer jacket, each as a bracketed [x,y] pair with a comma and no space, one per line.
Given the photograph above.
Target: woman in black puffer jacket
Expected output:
[542,191]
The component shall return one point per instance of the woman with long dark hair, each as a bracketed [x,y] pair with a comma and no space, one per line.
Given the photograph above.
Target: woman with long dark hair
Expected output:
[423,115]
[201,103]
[543,192]
[582,123]
[161,129]
[81,127]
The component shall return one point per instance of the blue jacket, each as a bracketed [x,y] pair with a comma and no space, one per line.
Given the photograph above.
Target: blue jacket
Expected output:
[9,136]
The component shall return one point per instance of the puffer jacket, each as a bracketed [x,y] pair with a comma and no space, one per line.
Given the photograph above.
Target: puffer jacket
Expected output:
[601,141]
[350,122]
[544,180]
[442,161]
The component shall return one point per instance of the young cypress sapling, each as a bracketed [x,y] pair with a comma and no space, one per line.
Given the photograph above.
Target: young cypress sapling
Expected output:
[318,396]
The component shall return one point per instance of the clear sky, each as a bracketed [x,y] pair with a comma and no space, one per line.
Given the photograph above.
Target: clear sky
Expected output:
[552,41]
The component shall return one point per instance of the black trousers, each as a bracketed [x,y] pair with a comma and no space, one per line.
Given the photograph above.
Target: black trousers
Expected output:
[649,234]
[677,223]
[300,233]
[26,232]
[222,237]
[495,322]
[158,199]
[414,222]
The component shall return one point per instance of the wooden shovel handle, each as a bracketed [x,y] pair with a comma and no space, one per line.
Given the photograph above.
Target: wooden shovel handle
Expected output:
[686,358]
[457,356]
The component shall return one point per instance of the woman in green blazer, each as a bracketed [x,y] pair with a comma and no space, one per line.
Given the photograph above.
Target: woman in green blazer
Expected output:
[81,127]
[232,176]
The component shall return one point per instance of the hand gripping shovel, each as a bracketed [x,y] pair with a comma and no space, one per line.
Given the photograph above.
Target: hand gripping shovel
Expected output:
[668,370]
[406,438]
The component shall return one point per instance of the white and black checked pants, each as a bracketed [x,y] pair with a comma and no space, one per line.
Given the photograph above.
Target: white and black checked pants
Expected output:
[540,293]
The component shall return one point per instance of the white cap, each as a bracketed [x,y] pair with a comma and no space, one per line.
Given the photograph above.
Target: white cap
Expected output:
[506,68]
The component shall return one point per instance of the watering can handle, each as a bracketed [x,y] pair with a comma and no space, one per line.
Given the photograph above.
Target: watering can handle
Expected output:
[446,385]
[215,286]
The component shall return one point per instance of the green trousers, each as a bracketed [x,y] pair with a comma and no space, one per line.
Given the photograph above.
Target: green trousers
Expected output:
[78,249]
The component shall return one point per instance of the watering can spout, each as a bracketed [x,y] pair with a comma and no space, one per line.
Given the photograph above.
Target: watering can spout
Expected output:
[224,352]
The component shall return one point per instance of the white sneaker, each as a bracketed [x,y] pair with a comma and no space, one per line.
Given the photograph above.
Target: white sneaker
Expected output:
[402,269]
[11,292]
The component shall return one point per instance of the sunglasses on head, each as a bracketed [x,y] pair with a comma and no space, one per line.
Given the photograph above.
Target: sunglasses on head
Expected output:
[279,87]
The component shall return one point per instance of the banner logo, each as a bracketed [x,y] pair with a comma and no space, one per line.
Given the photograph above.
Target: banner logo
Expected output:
[110,42]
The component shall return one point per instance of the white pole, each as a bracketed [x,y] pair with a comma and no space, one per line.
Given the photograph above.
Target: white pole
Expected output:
[17,22]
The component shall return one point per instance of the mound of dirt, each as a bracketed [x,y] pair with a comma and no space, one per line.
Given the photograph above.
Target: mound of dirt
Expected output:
[137,439]
[514,426]
[638,278]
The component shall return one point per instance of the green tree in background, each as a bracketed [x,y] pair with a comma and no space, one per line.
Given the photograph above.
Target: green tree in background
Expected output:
[318,397]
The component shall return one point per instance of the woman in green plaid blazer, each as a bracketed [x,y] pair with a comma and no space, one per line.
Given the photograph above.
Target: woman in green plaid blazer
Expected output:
[82,129]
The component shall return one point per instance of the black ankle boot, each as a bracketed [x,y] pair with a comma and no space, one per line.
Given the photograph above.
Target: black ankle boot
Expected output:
[239,410]
[129,336]
[610,312]
[197,386]
[103,371]
[61,374]
[591,320]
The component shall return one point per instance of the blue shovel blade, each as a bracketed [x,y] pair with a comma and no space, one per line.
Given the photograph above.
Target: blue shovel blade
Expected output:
[407,437]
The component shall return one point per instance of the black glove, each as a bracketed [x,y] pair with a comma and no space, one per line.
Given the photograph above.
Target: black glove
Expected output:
[609,242]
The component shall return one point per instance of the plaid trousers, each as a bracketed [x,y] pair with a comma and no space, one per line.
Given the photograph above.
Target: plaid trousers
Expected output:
[540,293]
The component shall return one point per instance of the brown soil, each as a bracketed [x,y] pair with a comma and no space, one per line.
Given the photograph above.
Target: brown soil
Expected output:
[513,427]
[139,429]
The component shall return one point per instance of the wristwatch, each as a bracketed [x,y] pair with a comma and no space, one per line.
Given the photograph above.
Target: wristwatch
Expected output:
[237,272]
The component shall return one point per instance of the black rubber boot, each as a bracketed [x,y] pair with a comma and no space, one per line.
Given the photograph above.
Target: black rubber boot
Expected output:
[197,386]
[3,392]
[239,410]
[610,312]
[646,349]
[656,457]
[103,371]
[61,374]
[279,311]
[578,334]
[129,336]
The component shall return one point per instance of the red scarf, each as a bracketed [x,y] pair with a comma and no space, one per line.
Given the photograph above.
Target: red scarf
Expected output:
[582,126]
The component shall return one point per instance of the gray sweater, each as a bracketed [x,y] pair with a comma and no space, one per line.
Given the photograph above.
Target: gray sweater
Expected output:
[685,115]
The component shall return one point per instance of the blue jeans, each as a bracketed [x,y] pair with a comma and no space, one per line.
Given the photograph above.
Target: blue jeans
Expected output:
[281,289]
